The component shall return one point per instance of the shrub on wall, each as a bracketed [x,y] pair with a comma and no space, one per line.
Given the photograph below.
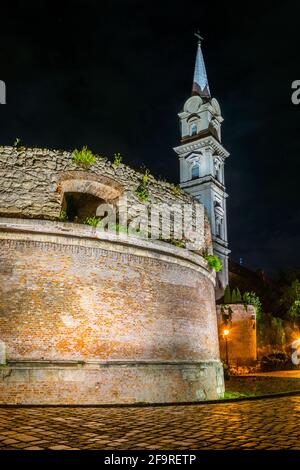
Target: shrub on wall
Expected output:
[83,157]
[214,263]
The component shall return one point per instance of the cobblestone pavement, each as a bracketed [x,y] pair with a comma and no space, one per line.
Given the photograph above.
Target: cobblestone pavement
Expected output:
[264,424]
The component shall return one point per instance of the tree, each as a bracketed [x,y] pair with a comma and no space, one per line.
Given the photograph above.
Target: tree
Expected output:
[290,300]
[227,295]
[234,297]
[250,298]
[238,296]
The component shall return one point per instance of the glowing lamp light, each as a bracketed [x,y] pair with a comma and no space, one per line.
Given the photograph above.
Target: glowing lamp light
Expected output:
[226,332]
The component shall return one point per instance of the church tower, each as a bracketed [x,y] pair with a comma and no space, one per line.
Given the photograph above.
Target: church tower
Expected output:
[202,158]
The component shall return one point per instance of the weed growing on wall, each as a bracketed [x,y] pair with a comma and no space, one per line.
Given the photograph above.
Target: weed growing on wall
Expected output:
[176,189]
[83,157]
[63,216]
[17,142]
[214,263]
[92,221]
[142,191]
[117,160]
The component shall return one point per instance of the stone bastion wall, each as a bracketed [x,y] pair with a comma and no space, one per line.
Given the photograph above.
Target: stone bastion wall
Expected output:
[93,317]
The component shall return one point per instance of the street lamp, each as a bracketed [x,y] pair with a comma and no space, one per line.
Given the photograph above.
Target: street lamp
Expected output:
[225,334]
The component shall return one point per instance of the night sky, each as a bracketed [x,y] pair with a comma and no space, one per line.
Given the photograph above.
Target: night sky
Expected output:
[113,75]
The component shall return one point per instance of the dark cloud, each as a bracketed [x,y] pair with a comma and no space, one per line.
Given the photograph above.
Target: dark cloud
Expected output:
[114,74]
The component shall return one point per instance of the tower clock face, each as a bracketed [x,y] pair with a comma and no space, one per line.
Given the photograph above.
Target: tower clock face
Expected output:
[193,104]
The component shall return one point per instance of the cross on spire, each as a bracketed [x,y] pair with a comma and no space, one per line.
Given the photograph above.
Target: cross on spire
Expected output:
[200,38]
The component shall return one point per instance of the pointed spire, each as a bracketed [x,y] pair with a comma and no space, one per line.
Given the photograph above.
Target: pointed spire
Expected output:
[200,83]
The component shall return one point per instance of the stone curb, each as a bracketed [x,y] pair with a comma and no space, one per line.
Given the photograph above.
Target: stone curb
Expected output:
[153,405]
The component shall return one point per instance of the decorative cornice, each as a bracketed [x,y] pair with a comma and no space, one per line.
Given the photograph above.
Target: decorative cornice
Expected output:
[204,180]
[199,144]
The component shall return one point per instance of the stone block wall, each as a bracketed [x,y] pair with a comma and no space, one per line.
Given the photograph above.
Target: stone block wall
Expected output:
[33,182]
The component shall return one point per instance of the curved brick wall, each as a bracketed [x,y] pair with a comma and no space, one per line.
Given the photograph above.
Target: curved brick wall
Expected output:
[90,318]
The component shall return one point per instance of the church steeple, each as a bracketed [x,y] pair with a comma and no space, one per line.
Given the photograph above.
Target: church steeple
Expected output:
[202,161]
[200,82]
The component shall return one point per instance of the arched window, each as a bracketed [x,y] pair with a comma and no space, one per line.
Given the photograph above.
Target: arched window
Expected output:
[195,171]
[194,129]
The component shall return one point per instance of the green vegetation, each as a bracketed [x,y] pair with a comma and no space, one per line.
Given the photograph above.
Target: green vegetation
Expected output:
[146,176]
[92,221]
[142,190]
[113,228]
[117,160]
[227,295]
[290,299]
[174,241]
[119,228]
[214,263]
[177,243]
[234,297]
[17,142]
[176,189]
[271,331]
[63,216]
[142,193]
[250,298]
[232,395]
[277,305]
[83,157]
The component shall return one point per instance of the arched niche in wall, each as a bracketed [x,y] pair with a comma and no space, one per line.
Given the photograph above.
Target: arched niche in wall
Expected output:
[82,194]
